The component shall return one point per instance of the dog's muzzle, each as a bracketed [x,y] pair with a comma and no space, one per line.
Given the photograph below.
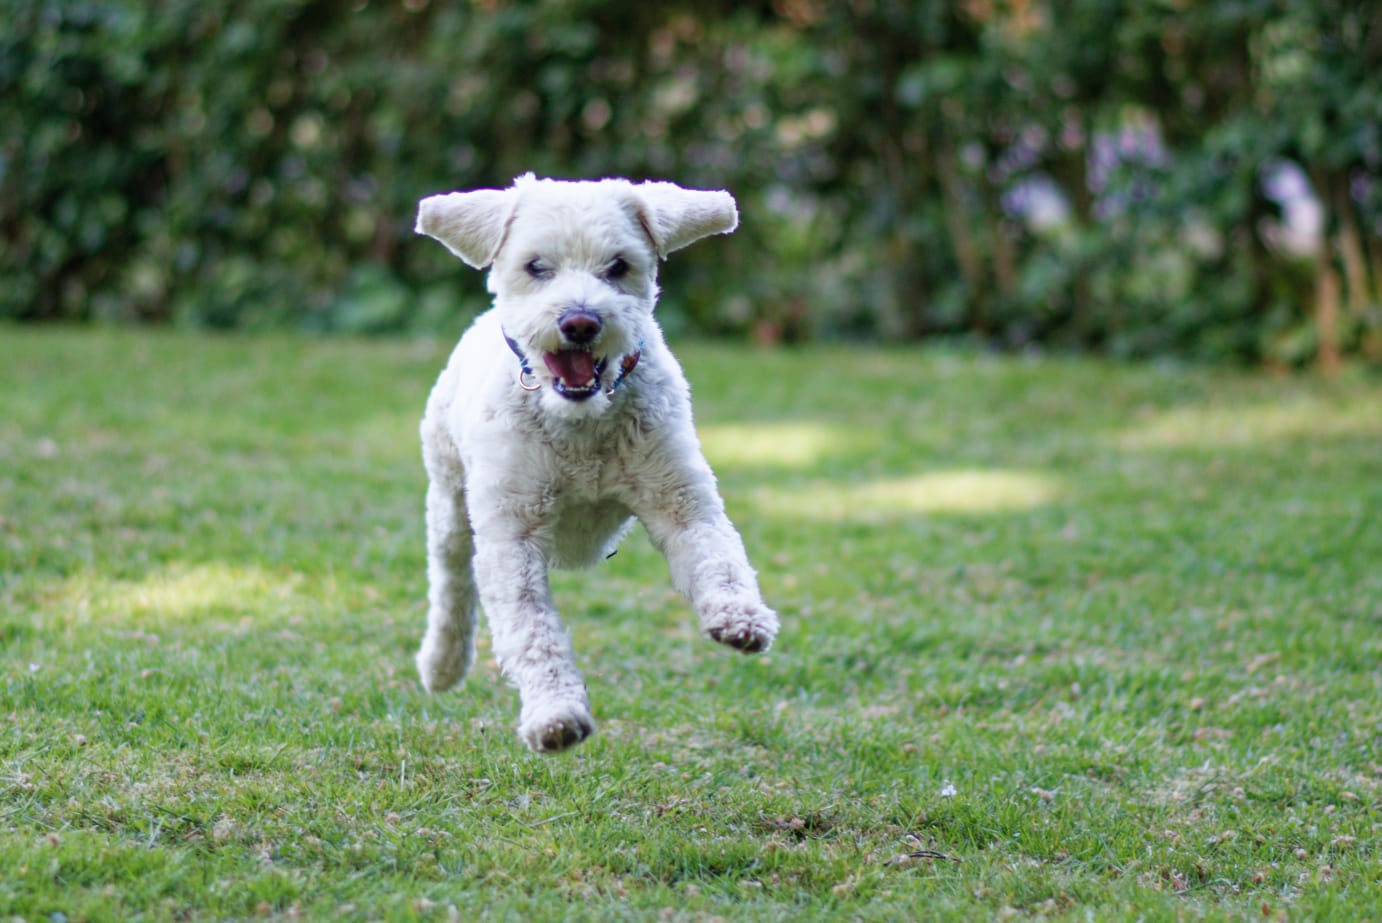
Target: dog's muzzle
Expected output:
[576,372]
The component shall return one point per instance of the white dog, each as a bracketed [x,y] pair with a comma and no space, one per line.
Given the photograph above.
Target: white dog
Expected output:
[560,416]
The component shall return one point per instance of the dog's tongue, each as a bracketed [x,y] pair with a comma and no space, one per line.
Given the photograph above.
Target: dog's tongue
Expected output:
[575,367]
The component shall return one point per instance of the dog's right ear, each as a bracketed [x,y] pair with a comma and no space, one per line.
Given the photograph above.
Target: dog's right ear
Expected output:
[472,225]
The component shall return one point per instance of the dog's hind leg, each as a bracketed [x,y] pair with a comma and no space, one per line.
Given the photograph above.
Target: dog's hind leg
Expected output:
[448,648]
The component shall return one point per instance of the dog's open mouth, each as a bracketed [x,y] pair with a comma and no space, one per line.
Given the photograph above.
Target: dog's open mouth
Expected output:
[576,373]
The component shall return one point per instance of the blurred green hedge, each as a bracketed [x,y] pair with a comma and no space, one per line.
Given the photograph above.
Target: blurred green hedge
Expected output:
[1111,175]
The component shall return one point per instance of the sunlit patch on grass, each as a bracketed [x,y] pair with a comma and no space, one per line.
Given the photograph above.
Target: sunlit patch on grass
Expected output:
[1303,418]
[781,445]
[388,436]
[178,593]
[960,491]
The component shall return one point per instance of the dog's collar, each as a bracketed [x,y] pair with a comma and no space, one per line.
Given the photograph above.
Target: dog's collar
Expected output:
[525,371]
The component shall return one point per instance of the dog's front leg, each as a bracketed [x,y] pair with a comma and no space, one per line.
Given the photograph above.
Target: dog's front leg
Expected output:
[530,642]
[706,556]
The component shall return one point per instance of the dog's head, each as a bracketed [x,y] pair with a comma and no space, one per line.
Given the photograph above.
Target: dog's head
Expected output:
[573,267]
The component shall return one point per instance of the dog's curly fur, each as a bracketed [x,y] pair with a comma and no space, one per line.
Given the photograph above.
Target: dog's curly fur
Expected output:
[540,452]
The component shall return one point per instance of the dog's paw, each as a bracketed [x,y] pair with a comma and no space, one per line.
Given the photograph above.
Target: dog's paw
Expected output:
[557,728]
[749,627]
[441,663]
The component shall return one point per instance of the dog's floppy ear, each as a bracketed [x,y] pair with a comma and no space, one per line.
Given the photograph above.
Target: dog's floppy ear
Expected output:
[472,225]
[675,217]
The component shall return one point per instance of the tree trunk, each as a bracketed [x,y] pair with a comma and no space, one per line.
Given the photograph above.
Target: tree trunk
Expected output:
[1349,242]
[1327,314]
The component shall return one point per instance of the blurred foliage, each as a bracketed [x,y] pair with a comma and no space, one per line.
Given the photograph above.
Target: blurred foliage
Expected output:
[1138,178]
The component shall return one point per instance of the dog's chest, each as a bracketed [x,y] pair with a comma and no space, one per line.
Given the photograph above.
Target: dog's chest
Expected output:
[591,464]
[587,498]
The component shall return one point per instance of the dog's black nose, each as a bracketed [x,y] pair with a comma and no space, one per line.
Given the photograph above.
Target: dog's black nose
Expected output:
[579,325]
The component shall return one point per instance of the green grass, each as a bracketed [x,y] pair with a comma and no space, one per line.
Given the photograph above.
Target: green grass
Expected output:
[1103,639]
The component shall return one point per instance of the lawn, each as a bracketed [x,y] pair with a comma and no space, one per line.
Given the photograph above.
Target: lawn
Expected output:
[1061,639]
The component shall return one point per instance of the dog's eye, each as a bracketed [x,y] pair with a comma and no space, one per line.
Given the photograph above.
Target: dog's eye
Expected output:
[617,269]
[538,269]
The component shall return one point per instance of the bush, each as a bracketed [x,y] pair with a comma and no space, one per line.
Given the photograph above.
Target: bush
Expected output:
[1092,175]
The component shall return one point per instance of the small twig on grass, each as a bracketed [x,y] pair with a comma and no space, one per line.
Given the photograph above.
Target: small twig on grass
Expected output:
[904,858]
[920,854]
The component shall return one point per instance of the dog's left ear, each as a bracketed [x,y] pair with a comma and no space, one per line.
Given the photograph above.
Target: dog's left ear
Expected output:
[471,224]
[675,217]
